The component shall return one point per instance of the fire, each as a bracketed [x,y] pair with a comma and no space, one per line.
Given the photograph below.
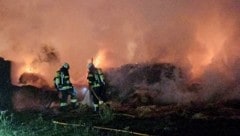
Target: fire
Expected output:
[28,69]
[199,63]
[101,59]
[211,37]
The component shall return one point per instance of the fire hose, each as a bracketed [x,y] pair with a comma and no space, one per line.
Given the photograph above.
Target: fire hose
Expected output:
[101,128]
[94,93]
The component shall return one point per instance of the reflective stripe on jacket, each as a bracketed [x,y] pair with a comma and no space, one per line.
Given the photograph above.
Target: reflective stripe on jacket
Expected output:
[62,80]
[95,78]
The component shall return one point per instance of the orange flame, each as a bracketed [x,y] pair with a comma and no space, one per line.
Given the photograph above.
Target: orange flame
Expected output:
[101,59]
[28,69]
[212,39]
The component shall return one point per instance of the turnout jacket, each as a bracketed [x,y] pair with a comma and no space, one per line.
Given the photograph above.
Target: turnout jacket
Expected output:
[95,78]
[62,80]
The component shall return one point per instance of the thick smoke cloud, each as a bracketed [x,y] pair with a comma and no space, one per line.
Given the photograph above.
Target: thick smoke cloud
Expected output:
[202,37]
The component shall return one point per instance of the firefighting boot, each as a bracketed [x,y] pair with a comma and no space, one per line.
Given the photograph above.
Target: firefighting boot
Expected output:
[74,105]
[63,108]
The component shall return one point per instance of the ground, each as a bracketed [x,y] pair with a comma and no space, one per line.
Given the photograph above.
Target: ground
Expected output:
[195,119]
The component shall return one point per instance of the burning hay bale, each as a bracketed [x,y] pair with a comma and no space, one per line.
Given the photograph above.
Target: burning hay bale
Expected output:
[33,79]
[144,84]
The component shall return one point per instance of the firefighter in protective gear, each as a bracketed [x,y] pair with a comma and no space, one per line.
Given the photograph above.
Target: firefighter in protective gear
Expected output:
[96,83]
[64,86]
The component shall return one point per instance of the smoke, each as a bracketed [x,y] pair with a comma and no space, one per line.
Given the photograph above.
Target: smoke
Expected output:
[202,37]
[39,61]
[47,54]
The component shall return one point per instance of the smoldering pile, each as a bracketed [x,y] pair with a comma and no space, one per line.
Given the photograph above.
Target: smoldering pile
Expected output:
[144,84]
[33,98]
[159,84]
[28,98]
[33,79]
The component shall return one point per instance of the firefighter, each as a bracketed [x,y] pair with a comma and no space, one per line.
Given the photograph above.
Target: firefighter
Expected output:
[65,88]
[96,83]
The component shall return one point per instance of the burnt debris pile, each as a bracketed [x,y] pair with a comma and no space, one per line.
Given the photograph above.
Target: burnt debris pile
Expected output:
[33,98]
[145,84]
[167,84]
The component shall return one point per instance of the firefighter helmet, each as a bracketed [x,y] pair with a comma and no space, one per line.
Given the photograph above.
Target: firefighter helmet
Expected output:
[66,65]
[90,65]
